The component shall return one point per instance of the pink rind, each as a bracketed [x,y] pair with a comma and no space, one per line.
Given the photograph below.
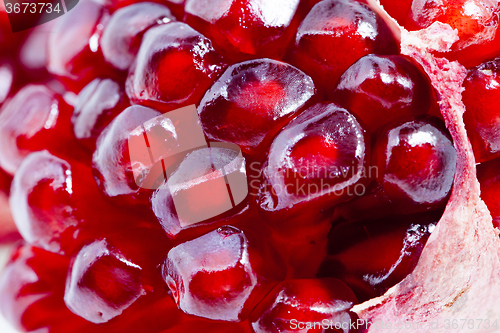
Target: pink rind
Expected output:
[458,274]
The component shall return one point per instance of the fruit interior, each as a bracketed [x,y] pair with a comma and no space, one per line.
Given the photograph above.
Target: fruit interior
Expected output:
[251,166]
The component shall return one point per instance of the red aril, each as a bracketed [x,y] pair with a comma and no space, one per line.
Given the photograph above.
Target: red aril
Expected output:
[112,162]
[312,305]
[33,281]
[488,176]
[416,162]
[74,53]
[334,25]
[145,167]
[246,28]
[398,9]
[175,66]
[97,105]
[317,161]
[57,205]
[110,275]
[414,165]
[383,89]
[36,118]
[222,275]
[207,183]
[32,285]
[372,256]
[481,98]
[476,23]
[119,46]
[252,101]
[6,80]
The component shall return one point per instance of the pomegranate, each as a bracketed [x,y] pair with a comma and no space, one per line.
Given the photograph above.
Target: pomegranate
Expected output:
[252,166]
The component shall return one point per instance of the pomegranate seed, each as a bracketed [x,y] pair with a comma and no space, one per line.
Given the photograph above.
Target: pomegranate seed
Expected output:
[32,286]
[97,105]
[175,66]
[207,183]
[57,205]
[383,89]
[477,24]
[102,283]
[251,101]
[416,162]
[74,53]
[334,25]
[475,21]
[119,45]
[111,160]
[137,151]
[35,119]
[109,275]
[316,161]
[221,275]
[488,176]
[373,256]
[247,28]
[414,166]
[303,305]
[481,98]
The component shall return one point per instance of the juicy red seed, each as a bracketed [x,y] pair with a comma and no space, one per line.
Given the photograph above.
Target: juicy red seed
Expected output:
[57,205]
[238,270]
[334,25]
[111,160]
[102,283]
[97,105]
[198,190]
[35,119]
[373,256]
[306,302]
[251,101]
[73,48]
[118,273]
[481,98]
[416,164]
[138,150]
[319,157]
[475,21]
[32,290]
[247,28]
[175,66]
[489,178]
[32,286]
[119,45]
[383,89]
